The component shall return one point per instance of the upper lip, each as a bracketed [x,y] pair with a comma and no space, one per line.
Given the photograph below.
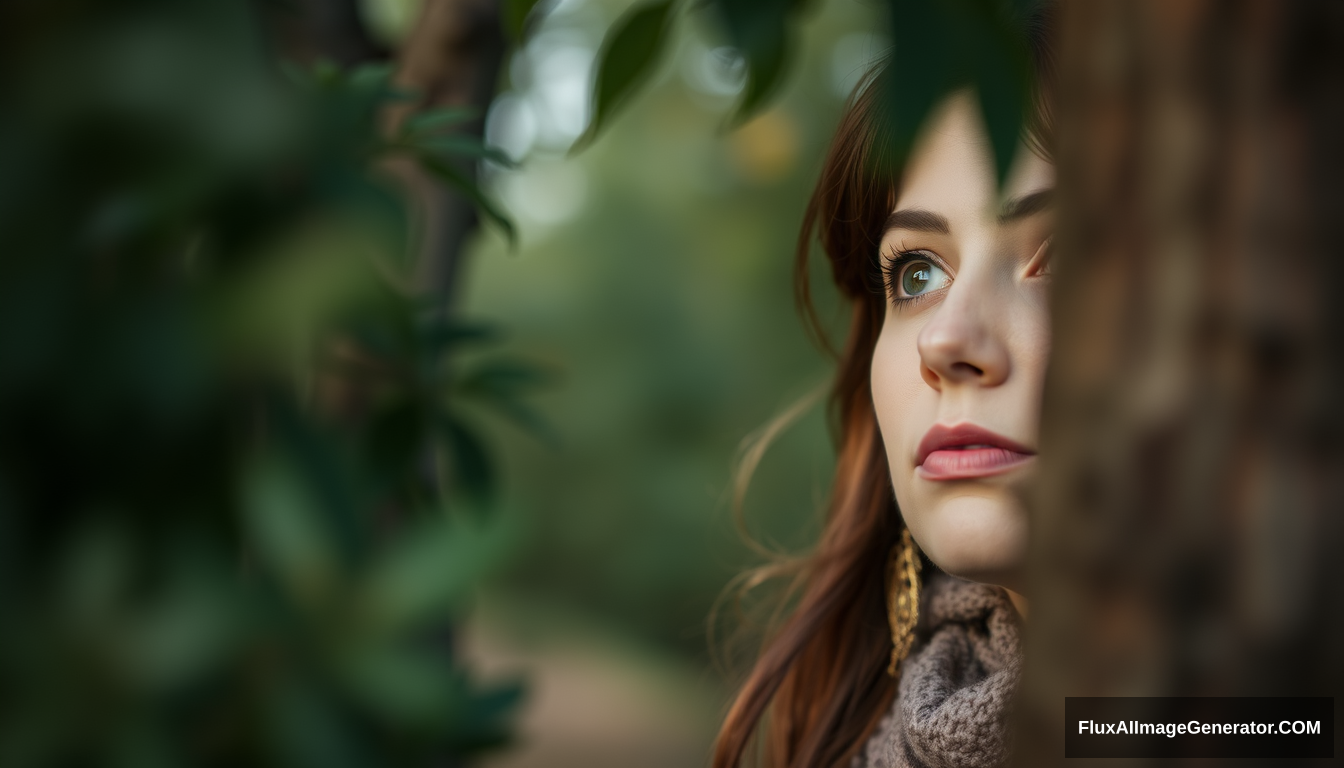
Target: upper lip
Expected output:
[942,436]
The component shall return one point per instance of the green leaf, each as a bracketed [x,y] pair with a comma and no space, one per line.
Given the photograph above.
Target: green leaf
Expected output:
[1002,76]
[432,121]
[462,183]
[922,69]
[500,385]
[405,686]
[515,16]
[762,30]
[481,718]
[371,78]
[765,70]
[506,374]
[286,529]
[318,456]
[441,334]
[397,435]
[461,145]
[189,630]
[943,45]
[429,571]
[523,415]
[630,53]
[473,471]
[307,728]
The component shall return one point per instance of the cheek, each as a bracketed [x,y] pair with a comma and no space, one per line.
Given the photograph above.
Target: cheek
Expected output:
[1030,344]
[900,394]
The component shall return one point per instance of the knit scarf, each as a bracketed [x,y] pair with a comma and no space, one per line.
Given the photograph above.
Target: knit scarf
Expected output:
[951,706]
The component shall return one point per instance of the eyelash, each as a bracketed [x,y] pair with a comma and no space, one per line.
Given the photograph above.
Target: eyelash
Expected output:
[891,271]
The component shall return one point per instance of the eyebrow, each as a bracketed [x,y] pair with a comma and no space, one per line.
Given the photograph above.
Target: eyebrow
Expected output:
[918,220]
[1026,205]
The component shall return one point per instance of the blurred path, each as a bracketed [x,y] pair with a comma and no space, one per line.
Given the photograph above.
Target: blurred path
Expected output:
[594,700]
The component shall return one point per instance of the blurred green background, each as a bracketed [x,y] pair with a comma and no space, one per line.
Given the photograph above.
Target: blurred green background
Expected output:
[246,504]
[655,273]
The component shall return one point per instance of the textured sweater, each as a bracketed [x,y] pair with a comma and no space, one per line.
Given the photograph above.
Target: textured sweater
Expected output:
[951,705]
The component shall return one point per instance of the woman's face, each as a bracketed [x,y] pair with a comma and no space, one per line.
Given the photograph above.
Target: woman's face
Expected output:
[959,364]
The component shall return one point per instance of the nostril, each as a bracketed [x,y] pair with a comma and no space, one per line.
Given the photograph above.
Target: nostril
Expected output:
[967,368]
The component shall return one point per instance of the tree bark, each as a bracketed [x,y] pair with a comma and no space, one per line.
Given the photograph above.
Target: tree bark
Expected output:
[1189,524]
[453,58]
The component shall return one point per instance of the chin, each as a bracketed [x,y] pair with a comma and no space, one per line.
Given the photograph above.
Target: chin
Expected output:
[977,538]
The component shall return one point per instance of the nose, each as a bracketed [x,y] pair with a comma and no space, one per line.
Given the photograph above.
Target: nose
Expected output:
[962,344]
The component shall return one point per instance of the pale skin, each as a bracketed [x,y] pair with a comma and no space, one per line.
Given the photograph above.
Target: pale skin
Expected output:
[964,344]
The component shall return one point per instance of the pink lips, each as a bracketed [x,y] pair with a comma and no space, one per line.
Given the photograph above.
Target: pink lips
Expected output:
[965,451]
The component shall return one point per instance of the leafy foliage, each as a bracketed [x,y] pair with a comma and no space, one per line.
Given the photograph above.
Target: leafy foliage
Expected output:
[232,525]
[763,30]
[516,15]
[942,46]
[939,47]
[629,54]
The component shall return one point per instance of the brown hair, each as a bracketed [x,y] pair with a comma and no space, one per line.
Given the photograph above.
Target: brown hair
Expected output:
[820,685]
[822,677]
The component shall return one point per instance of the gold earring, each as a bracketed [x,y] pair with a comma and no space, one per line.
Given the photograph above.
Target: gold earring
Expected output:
[903,598]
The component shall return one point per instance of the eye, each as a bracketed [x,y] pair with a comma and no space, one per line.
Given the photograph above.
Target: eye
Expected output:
[919,276]
[911,276]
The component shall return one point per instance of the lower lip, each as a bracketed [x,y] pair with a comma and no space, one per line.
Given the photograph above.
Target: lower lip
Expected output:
[970,462]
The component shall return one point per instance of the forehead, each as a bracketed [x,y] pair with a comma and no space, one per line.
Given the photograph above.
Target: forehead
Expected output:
[951,169]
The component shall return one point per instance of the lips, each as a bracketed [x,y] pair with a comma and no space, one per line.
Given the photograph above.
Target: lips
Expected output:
[964,451]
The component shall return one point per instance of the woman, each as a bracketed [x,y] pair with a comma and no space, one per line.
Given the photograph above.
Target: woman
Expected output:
[938,394]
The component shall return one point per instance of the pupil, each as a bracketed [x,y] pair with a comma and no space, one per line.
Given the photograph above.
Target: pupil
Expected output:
[917,278]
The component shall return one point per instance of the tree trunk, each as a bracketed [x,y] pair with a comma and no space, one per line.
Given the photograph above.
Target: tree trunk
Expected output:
[1189,525]
[452,58]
